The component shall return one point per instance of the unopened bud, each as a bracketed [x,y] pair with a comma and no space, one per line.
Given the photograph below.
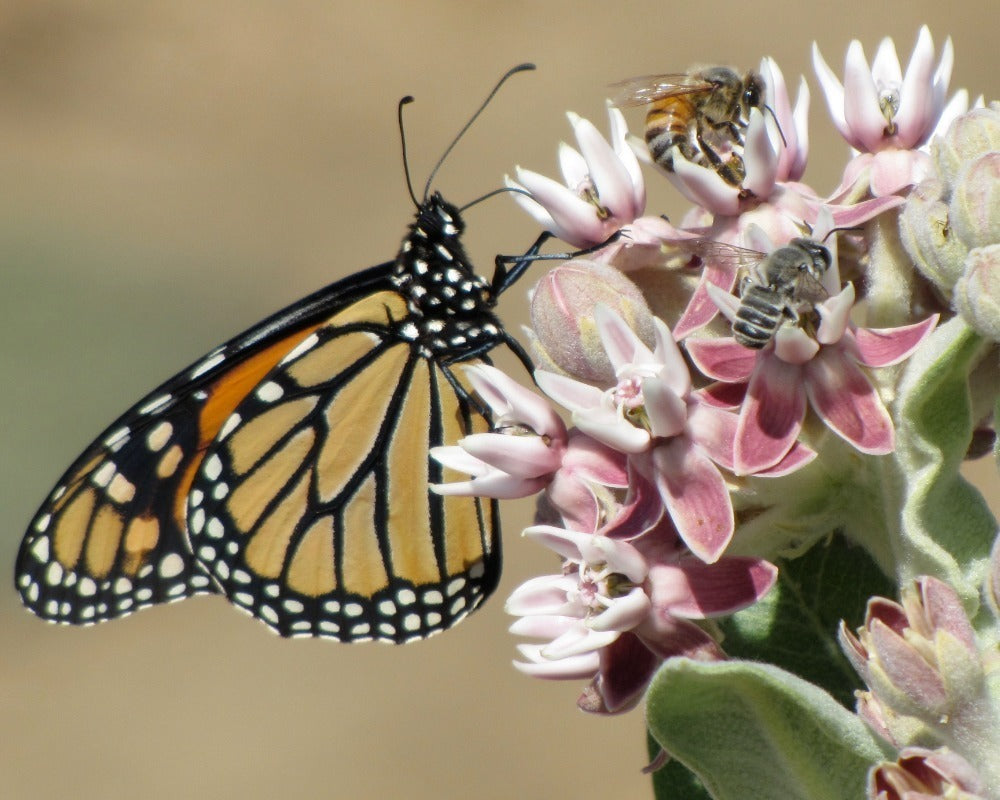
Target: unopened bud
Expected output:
[977,292]
[969,137]
[562,314]
[928,237]
[975,202]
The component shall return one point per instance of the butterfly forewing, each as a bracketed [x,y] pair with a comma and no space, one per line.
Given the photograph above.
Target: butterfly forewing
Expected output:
[111,538]
[312,509]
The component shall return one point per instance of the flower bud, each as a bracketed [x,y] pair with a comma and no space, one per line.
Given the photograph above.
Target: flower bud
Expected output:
[924,773]
[977,292]
[969,136]
[562,313]
[919,658]
[975,202]
[927,235]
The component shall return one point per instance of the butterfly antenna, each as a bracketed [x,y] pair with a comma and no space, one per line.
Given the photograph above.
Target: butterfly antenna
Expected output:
[402,141]
[461,133]
[494,193]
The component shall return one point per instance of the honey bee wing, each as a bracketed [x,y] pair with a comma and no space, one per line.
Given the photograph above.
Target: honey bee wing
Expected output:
[722,254]
[645,89]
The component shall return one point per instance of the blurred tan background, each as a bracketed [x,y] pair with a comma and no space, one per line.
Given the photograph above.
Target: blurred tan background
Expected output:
[173,171]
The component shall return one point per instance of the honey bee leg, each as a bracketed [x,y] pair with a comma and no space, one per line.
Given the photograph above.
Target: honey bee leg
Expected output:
[732,170]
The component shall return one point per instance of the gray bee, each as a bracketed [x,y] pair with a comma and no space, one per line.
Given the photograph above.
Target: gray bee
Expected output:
[779,287]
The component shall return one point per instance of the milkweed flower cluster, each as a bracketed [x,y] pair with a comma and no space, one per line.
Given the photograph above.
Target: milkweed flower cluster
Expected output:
[780,374]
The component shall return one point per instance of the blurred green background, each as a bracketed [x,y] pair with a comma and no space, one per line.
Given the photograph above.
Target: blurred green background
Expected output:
[173,171]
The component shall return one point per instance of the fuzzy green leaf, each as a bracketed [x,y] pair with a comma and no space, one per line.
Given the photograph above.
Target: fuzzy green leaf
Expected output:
[755,731]
[947,527]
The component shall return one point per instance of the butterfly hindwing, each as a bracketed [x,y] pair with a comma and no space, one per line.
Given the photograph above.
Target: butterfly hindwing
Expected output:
[312,509]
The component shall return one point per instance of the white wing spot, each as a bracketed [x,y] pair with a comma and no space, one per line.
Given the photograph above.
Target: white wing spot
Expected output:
[87,587]
[155,404]
[215,528]
[40,549]
[433,597]
[244,599]
[103,476]
[458,605]
[209,363]
[171,565]
[387,608]
[306,344]
[222,570]
[220,491]
[241,576]
[199,582]
[229,426]
[54,574]
[269,392]
[433,619]
[361,629]
[294,606]
[327,626]
[406,597]
[331,607]
[455,586]
[353,609]
[117,439]
[272,590]
[43,523]
[387,629]
[269,614]
[123,586]
[213,468]
[411,622]
[144,594]
[197,521]
[206,553]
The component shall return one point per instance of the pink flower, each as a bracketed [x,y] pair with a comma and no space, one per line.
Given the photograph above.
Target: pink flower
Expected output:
[887,116]
[618,609]
[604,190]
[530,450]
[795,368]
[653,415]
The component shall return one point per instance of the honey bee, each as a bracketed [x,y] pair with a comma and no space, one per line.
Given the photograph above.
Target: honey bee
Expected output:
[700,112]
[778,287]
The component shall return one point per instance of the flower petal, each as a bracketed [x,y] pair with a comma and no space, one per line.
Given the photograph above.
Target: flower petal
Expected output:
[760,156]
[536,665]
[696,590]
[833,93]
[521,456]
[609,176]
[722,359]
[696,497]
[861,100]
[848,403]
[916,98]
[626,667]
[568,392]
[882,347]
[701,309]
[771,417]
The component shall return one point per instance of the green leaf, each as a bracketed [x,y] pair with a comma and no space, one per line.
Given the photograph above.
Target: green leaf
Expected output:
[947,527]
[674,781]
[795,625]
[755,731]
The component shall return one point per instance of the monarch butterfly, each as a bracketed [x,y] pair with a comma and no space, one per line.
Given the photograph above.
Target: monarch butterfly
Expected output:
[288,468]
